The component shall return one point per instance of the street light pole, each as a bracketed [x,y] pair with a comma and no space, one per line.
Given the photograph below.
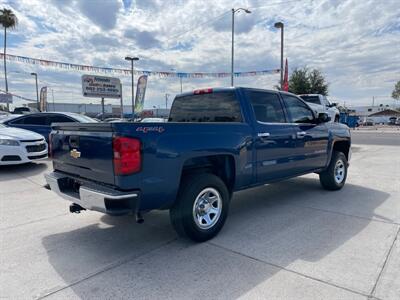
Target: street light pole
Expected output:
[233,38]
[166,100]
[37,91]
[281,26]
[180,77]
[132,59]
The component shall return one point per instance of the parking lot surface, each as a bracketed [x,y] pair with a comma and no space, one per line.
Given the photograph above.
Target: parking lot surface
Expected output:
[290,240]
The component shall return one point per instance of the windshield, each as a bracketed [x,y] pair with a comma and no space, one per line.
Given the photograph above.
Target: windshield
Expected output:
[311,99]
[84,119]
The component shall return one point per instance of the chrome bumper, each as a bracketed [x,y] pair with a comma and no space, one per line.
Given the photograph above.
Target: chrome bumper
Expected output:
[97,198]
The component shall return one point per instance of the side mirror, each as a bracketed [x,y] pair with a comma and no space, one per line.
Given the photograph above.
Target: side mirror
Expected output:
[333,105]
[323,118]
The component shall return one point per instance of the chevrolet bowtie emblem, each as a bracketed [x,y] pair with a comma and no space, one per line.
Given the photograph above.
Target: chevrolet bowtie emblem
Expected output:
[75,153]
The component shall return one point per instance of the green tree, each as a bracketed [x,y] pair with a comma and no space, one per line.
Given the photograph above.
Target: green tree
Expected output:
[8,20]
[305,81]
[298,81]
[317,83]
[396,91]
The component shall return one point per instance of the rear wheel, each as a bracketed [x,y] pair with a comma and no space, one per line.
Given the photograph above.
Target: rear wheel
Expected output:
[201,208]
[334,177]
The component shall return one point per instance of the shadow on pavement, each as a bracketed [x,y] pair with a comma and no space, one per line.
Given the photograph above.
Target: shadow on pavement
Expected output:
[272,223]
[28,168]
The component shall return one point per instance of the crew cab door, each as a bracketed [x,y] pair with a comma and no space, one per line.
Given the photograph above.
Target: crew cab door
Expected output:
[274,137]
[311,137]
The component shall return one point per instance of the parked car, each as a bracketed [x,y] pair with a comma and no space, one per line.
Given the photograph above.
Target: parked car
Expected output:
[320,104]
[25,110]
[19,146]
[368,122]
[216,142]
[153,120]
[392,120]
[41,122]
[101,116]
[108,120]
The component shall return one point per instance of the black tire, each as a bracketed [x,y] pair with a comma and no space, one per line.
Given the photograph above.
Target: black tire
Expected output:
[331,179]
[182,213]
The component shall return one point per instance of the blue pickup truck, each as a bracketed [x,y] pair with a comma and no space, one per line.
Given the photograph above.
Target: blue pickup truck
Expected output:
[216,142]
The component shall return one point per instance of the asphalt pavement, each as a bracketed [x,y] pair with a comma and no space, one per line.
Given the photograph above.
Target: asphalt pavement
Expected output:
[376,137]
[290,240]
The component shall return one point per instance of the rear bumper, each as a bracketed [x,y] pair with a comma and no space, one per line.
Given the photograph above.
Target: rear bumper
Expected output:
[93,196]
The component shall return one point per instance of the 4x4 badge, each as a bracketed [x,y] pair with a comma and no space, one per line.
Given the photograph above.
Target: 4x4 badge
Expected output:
[75,153]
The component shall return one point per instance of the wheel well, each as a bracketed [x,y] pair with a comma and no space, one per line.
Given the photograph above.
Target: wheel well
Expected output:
[222,166]
[342,146]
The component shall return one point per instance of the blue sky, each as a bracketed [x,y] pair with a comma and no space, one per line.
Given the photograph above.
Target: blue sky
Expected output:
[355,43]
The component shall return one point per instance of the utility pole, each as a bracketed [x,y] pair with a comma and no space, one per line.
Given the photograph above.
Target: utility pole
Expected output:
[132,59]
[37,91]
[233,38]
[102,109]
[233,44]
[281,26]
[166,100]
[52,94]
[122,103]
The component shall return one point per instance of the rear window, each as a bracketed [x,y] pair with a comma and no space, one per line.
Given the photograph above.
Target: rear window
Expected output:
[213,107]
[311,99]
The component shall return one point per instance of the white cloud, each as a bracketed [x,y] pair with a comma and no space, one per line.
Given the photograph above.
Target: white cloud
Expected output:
[354,43]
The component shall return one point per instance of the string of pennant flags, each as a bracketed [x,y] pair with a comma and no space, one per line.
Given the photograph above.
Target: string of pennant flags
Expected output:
[86,68]
[17,96]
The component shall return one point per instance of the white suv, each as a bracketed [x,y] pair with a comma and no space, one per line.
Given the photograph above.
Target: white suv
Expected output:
[321,104]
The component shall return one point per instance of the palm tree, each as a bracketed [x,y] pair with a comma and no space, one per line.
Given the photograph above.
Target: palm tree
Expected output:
[8,20]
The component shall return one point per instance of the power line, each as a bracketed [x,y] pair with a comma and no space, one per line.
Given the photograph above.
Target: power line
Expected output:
[276,3]
[210,21]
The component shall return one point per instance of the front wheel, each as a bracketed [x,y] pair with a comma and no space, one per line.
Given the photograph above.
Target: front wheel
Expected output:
[201,208]
[334,177]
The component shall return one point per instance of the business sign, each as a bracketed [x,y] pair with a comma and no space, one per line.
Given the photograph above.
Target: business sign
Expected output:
[43,99]
[101,86]
[6,98]
[140,93]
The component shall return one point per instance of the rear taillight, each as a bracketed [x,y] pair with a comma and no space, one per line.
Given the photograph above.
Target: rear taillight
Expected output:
[50,148]
[127,156]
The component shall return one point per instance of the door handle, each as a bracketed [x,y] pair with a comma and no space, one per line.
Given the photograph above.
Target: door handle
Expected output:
[301,134]
[263,134]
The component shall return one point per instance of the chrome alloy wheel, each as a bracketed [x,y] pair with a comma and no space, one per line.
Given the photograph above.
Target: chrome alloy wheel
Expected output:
[339,171]
[207,208]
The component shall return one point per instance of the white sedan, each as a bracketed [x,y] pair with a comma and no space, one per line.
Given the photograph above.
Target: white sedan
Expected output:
[19,146]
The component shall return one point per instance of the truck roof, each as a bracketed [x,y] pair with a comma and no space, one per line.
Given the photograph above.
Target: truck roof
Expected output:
[224,89]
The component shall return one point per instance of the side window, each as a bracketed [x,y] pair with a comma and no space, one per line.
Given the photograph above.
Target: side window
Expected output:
[58,119]
[35,120]
[298,111]
[267,107]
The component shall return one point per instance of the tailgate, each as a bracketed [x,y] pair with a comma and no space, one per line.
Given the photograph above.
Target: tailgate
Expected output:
[84,149]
